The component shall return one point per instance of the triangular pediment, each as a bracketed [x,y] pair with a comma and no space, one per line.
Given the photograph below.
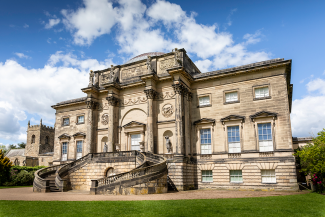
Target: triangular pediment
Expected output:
[263,114]
[64,136]
[233,118]
[79,134]
[134,124]
[204,121]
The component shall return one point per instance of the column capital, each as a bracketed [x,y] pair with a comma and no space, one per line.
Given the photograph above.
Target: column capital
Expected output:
[151,93]
[180,88]
[91,104]
[112,100]
[189,96]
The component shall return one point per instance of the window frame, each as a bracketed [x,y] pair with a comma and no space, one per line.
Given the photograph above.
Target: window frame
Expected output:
[67,148]
[239,131]
[82,148]
[242,180]
[205,128]
[140,140]
[231,91]
[64,125]
[258,136]
[77,119]
[206,176]
[204,95]
[262,86]
[269,182]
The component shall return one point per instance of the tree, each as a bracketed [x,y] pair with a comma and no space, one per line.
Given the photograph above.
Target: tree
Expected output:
[312,159]
[5,166]
[21,145]
[4,149]
[12,146]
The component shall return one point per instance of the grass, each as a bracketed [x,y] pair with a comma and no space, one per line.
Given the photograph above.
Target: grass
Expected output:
[293,205]
[1,187]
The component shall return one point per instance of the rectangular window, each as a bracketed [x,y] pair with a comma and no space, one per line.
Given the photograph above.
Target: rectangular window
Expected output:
[79,149]
[231,97]
[233,139]
[135,142]
[205,136]
[265,137]
[207,176]
[64,151]
[65,121]
[261,92]
[81,119]
[204,100]
[268,176]
[236,176]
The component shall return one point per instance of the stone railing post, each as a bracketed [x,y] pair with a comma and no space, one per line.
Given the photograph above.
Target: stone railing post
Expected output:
[112,103]
[93,188]
[91,106]
[151,95]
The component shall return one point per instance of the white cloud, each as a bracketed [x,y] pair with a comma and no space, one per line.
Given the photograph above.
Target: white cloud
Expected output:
[51,23]
[35,90]
[308,116]
[21,55]
[317,85]
[204,65]
[91,21]
[26,26]
[140,29]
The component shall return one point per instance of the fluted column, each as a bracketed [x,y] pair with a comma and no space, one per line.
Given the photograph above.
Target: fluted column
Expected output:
[112,103]
[151,95]
[187,105]
[91,106]
[179,89]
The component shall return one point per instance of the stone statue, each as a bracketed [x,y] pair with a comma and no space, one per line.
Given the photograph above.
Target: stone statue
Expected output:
[112,72]
[91,78]
[105,147]
[178,61]
[168,144]
[148,63]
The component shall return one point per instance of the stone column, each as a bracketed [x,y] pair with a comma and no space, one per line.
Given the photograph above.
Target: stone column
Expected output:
[187,105]
[151,95]
[179,116]
[91,106]
[112,103]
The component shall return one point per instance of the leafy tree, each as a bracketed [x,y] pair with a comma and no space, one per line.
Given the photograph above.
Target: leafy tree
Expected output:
[4,149]
[312,159]
[21,145]
[12,146]
[5,166]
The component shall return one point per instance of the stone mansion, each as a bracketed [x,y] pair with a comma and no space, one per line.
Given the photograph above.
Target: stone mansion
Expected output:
[225,129]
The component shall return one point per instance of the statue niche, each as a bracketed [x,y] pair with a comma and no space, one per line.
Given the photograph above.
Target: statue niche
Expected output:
[168,135]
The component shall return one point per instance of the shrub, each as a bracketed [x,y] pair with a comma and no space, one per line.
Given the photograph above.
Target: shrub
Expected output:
[23,178]
[5,166]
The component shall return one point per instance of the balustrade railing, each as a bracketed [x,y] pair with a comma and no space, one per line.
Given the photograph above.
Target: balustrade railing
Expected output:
[40,183]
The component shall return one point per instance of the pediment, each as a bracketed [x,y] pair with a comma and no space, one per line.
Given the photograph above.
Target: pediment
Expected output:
[263,114]
[79,134]
[233,118]
[134,124]
[204,121]
[64,136]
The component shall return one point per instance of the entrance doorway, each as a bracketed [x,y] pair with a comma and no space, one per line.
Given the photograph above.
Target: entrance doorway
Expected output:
[135,142]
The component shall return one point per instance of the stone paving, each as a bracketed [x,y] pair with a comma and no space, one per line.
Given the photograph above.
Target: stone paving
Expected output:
[28,194]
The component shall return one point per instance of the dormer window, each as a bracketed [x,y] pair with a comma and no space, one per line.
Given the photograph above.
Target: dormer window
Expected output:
[66,122]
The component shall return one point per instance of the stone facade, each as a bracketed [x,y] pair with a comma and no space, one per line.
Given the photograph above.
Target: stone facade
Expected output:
[139,104]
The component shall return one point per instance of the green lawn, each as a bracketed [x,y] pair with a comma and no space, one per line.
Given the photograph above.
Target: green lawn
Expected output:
[294,205]
[1,187]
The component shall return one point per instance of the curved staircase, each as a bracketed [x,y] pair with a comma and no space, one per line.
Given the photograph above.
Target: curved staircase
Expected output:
[150,176]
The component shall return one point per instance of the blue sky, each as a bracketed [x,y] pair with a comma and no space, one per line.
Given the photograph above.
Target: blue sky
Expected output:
[48,48]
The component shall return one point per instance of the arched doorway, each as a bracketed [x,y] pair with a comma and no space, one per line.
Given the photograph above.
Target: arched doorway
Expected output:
[109,172]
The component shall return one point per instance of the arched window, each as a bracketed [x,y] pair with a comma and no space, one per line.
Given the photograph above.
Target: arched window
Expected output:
[33,138]
[16,162]
[46,140]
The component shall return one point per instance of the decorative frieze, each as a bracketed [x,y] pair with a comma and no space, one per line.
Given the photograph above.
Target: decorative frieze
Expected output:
[167,110]
[234,155]
[266,154]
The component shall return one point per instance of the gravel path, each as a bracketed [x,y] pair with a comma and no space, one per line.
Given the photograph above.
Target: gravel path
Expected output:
[28,194]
